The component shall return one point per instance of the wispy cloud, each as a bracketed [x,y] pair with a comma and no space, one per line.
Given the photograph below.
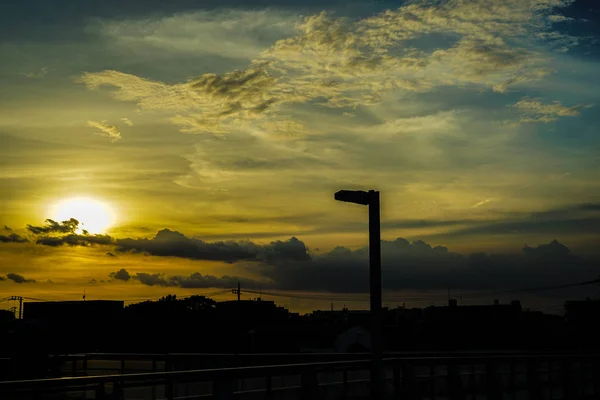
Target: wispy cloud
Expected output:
[231,33]
[533,110]
[482,202]
[36,75]
[110,131]
[127,121]
[336,62]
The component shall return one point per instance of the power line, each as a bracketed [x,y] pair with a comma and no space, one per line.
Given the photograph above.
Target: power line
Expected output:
[357,298]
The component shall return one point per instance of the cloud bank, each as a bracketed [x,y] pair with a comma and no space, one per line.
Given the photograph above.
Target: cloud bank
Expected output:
[290,265]
[340,63]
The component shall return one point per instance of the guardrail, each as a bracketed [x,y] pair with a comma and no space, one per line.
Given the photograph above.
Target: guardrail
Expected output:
[536,376]
[81,364]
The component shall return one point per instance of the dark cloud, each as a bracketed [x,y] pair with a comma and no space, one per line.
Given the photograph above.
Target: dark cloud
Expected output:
[51,226]
[12,238]
[75,240]
[7,228]
[120,275]
[110,254]
[19,278]
[198,281]
[175,244]
[151,279]
[418,265]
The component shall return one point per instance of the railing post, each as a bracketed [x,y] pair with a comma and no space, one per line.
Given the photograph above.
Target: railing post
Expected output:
[512,387]
[223,388]
[596,376]
[408,384]
[431,379]
[100,392]
[153,370]
[534,386]
[269,382]
[118,393]
[169,389]
[454,382]
[491,381]
[310,385]
[566,372]
[344,384]
[397,380]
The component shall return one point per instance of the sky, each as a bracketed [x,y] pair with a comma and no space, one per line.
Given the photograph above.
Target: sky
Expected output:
[198,144]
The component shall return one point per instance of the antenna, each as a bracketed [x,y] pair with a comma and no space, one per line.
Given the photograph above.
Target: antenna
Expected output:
[83,294]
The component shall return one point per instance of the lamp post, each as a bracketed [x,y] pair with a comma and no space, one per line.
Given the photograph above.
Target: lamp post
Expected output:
[371,199]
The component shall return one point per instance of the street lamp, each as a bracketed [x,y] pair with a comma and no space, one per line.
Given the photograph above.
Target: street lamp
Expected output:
[371,199]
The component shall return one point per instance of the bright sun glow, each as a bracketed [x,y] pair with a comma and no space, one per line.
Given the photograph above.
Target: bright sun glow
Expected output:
[94,216]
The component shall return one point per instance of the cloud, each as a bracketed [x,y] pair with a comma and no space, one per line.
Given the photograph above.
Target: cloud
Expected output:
[230,33]
[120,275]
[418,265]
[75,240]
[171,243]
[12,238]
[413,265]
[197,281]
[482,202]
[174,244]
[127,121]
[51,226]
[19,278]
[36,75]
[533,110]
[339,62]
[49,234]
[109,131]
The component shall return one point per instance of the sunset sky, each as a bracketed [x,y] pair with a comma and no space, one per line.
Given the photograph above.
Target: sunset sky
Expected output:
[198,143]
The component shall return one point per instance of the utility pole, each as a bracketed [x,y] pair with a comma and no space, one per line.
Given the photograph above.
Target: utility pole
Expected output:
[20,299]
[237,291]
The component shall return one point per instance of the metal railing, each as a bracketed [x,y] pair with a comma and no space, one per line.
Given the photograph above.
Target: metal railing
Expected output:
[94,363]
[469,377]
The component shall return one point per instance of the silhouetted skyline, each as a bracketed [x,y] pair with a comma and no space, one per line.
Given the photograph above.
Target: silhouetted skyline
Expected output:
[150,149]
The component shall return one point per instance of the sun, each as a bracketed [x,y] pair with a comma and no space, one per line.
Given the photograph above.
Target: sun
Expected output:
[94,216]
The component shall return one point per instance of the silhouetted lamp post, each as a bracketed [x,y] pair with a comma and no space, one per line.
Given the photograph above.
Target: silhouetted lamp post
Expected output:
[371,199]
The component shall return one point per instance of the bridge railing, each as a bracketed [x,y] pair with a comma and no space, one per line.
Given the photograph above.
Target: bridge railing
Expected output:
[497,377]
[100,363]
